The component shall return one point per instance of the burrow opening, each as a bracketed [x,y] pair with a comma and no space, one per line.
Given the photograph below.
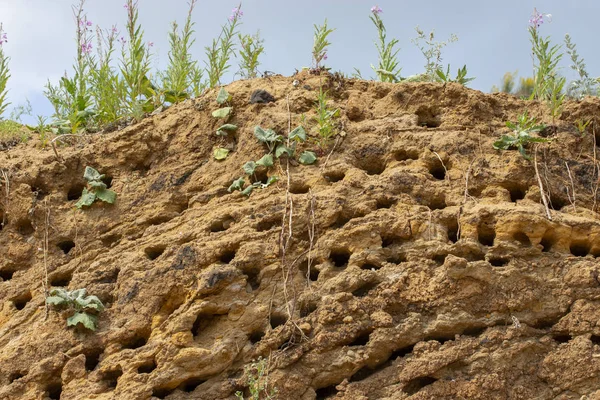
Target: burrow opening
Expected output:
[7,274]
[499,261]
[154,252]
[580,248]
[406,154]
[190,384]
[92,358]
[61,279]
[334,176]
[256,336]
[222,224]
[437,169]
[486,233]
[66,246]
[299,188]
[363,290]
[21,301]
[548,241]
[75,191]
[522,238]
[227,256]
[25,227]
[428,117]
[111,378]
[277,319]
[16,375]
[203,321]
[54,390]
[147,367]
[340,257]
[326,392]
[362,339]
[415,385]
[268,223]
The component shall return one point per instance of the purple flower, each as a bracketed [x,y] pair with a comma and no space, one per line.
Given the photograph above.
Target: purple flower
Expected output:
[114,29]
[3,39]
[235,14]
[325,56]
[122,40]
[126,6]
[537,18]
[88,23]
[150,44]
[86,48]
[376,10]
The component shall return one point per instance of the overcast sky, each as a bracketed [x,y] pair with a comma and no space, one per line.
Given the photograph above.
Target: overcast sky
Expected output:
[493,36]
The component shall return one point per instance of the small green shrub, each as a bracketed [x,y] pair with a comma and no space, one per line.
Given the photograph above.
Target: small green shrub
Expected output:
[319,51]
[222,48]
[432,51]
[326,120]
[96,189]
[387,70]
[461,75]
[251,47]
[521,136]
[257,378]
[4,73]
[85,307]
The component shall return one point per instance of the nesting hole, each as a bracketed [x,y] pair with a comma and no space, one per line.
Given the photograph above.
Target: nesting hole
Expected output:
[110,240]
[147,367]
[24,227]
[437,203]
[277,319]
[362,339]
[299,188]
[161,393]
[313,273]
[402,352]
[385,202]
[580,249]
[111,378]
[61,279]
[372,166]
[92,358]
[203,320]
[415,385]
[428,117]
[21,301]
[326,392]
[108,181]
[486,234]
[222,224]
[499,261]
[334,176]
[548,241]
[190,384]
[308,308]
[440,258]
[397,258]
[66,246]
[595,339]
[54,390]
[340,257]
[406,154]
[154,252]
[557,202]
[268,224]
[522,238]
[39,192]
[137,341]
[75,192]
[453,231]
[6,274]
[561,338]
[256,336]
[364,289]
[474,331]
[370,267]
[227,256]
[516,192]
[437,170]
[260,175]
[15,375]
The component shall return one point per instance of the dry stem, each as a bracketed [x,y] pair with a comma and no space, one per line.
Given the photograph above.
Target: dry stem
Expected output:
[542,193]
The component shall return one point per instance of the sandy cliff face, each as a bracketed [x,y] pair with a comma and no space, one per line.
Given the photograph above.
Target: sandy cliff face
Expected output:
[420,263]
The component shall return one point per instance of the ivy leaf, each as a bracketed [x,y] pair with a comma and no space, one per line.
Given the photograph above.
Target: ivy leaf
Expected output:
[92,302]
[87,199]
[91,174]
[298,134]
[97,184]
[307,158]
[222,131]
[56,300]
[223,96]
[281,150]
[248,190]
[249,167]
[222,112]
[221,153]
[238,184]
[106,195]
[266,161]
[266,136]
[85,319]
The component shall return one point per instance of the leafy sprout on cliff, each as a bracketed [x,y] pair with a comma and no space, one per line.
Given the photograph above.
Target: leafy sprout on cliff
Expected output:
[387,70]
[521,135]
[96,190]
[319,52]
[85,307]
[4,72]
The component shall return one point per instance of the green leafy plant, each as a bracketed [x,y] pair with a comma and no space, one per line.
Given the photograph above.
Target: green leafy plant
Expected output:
[461,75]
[257,379]
[548,85]
[71,98]
[387,70]
[223,98]
[326,119]
[582,126]
[320,44]
[84,308]
[584,85]
[432,51]
[4,73]
[251,47]
[183,75]
[222,48]
[96,189]
[521,136]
